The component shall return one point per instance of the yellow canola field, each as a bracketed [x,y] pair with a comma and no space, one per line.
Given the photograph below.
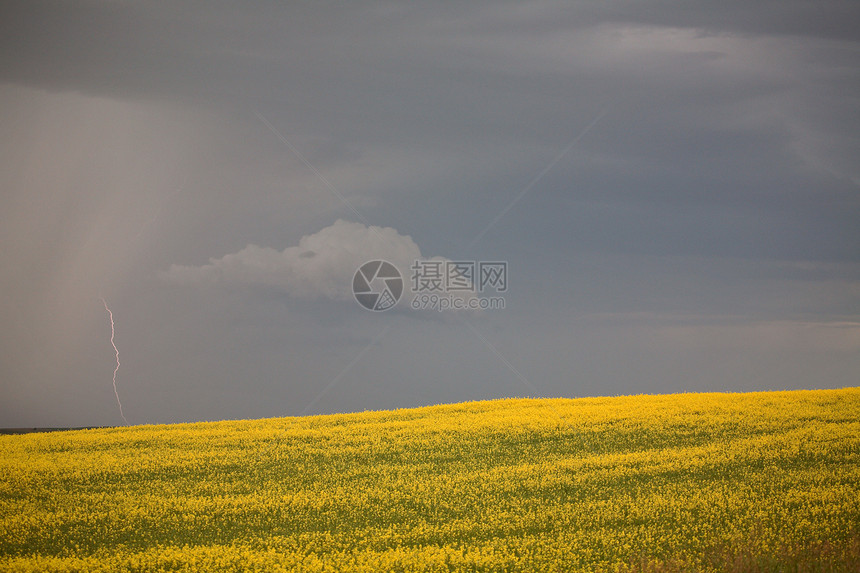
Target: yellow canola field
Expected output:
[689,482]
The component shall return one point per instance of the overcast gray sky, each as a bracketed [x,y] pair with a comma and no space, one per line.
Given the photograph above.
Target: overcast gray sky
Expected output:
[674,186]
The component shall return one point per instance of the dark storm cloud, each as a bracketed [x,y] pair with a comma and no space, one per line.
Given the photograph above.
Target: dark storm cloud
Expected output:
[711,106]
[706,225]
[149,47]
[772,17]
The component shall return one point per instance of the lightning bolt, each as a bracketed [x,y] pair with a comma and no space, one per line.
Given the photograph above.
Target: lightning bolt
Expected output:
[116,350]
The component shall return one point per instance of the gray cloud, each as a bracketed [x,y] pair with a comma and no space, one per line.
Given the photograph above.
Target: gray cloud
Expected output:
[321,266]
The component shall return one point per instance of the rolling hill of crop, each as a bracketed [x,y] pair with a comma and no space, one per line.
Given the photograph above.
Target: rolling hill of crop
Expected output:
[688,482]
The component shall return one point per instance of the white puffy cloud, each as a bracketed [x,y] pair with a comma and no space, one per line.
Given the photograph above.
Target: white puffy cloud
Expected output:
[321,266]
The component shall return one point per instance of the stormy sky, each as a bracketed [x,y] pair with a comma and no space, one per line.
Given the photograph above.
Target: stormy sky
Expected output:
[674,186]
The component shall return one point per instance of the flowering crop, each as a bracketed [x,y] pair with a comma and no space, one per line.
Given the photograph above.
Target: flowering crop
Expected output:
[687,482]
